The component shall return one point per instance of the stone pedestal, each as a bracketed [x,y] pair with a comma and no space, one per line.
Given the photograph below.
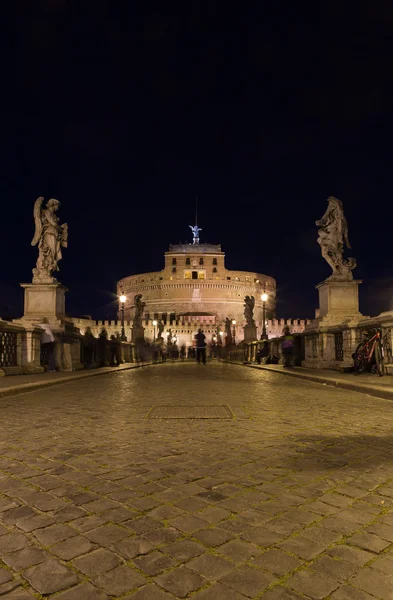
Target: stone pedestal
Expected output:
[338,301]
[250,333]
[137,333]
[44,300]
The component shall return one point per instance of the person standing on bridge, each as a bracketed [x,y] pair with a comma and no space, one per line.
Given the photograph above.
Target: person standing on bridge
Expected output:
[200,339]
[287,347]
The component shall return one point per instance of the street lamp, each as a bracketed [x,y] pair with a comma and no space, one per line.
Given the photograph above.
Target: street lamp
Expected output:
[264,298]
[234,332]
[154,325]
[122,299]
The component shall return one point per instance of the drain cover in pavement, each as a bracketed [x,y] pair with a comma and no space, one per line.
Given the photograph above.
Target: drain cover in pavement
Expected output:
[190,412]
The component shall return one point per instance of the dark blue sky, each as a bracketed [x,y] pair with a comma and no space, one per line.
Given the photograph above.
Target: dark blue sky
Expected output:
[126,111]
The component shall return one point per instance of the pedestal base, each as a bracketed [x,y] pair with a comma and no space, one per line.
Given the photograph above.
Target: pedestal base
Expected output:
[137,333]
[338,302]
[250,333]
[44,300]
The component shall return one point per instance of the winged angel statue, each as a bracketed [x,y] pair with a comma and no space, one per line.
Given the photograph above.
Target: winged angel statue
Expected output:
[50,237]
[332,235]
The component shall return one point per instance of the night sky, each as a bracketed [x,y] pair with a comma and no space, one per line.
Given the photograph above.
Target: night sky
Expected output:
[125,111]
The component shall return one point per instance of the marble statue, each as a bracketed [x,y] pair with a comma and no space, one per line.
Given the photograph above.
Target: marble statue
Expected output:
[139,306]
[249,303]
[195,232]
[160,329]
[228,331]
[332,236]
[50,237]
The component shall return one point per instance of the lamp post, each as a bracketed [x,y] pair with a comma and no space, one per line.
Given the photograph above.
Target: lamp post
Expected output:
[234,332]
[122,299]
[264,298]
[154,325]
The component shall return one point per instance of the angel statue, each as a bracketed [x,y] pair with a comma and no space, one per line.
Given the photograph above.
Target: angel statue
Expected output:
[332,236]
[195,232]
[249,304]
[139,306]
[50,237]
[160,329]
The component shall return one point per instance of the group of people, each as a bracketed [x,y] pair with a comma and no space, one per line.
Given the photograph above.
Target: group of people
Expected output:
[265,355]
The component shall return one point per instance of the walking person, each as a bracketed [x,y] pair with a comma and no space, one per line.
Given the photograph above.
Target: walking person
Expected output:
[48,344]
[201,346]
[287,347]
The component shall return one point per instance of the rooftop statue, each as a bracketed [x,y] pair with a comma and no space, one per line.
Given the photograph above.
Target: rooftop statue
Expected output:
[195,232]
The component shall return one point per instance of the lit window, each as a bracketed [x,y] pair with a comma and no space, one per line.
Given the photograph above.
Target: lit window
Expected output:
[187,274]
[201,275]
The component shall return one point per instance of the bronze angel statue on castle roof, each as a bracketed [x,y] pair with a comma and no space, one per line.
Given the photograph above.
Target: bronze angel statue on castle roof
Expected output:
[50,237]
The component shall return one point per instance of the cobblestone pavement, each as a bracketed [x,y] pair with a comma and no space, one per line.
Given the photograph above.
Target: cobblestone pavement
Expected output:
[290,498]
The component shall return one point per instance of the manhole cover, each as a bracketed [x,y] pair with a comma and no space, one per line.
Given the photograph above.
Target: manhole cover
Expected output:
[190,412]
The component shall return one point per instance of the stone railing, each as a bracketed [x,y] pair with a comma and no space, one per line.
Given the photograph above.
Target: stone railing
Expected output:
[21,350]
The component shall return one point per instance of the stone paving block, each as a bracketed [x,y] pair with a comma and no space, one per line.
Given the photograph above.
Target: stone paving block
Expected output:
[302,546]
[368,541]
[340,525]
[107,534]
[213,536]
[382,530]
[132,547]
[236,525]
[97,562]
[50,576]
[281,593]
[255,517]
[181,581]
[347,592]
[373,581]
[88,523]
[143,524]
[38,521]
[262,536]
[165,511]
[299,515]
[321,508]
[46,482]
[99,506]
[239,551]
[283,526]
[6,504]
[331,568]
[154,563]
[73,547]
[277,562]
[5,576]
[70,513]
[248,581]
[336,500]
[53,534]
[86,591]
[27,557]
[351,554]
[321,535]
[213,514]
[11,517]
[211,566]
[164,535]
[191,504]
[188,523]
[12,542]
[312,584]
[384,564]
[218,591]
[120,580]
[19,594]
[149,592]
[183,550]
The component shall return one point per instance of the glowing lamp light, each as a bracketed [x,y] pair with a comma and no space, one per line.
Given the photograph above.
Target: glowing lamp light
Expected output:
[123,298]
[154,323]
[221,333]
[264,297]
[233,321]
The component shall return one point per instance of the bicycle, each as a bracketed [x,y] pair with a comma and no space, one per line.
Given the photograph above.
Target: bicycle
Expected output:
[369,354]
